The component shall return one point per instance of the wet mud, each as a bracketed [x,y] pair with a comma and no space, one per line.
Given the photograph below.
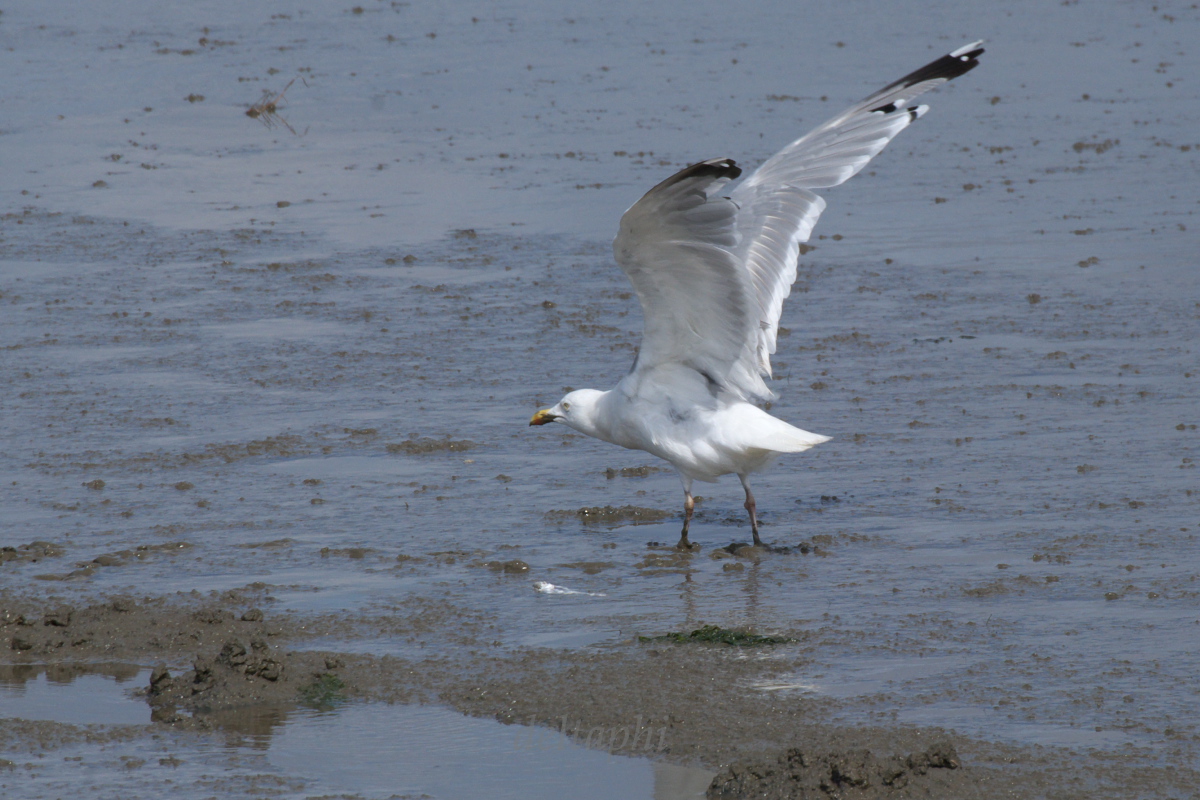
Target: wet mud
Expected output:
[861,774]
[680,697]
[427,445]
[610,515]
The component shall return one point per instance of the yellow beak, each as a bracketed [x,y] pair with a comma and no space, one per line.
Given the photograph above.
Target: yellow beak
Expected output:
[542,417]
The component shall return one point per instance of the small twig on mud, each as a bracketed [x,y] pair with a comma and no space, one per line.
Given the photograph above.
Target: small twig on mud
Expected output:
[267,108]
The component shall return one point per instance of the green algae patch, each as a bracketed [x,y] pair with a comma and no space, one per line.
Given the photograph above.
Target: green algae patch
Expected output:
[714,634]
[324,692]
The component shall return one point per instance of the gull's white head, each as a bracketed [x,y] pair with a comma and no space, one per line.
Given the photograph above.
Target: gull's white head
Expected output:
[578,410]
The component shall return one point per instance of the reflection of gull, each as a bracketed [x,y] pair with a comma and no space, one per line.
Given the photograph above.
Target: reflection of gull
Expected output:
[711,273]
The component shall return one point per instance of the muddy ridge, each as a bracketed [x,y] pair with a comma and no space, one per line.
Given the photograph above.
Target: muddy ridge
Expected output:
[854,775]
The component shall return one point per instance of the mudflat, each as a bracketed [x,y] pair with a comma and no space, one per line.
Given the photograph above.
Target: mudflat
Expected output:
[272,521]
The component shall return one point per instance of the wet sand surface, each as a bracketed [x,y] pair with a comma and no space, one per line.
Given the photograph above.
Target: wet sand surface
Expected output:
[274,524]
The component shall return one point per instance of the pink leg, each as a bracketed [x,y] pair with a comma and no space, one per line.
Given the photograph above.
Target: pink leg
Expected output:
[751,507]
[689,505]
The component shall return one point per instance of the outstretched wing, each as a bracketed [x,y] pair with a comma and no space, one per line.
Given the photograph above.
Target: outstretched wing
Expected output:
[677,246]
[712,272]
[778,210]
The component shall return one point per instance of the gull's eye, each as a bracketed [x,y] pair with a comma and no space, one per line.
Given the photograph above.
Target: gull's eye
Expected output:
[566,406]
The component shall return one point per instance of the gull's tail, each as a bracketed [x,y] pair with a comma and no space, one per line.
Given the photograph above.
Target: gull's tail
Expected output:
[756,429]
[795,440]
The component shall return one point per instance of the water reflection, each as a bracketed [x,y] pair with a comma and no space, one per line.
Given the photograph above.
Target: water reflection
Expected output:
[356,748]
[255,727]
[17,675]
[78,694]
[380,748]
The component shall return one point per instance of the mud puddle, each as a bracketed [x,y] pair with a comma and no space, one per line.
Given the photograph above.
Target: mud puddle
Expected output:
[347,749]
[376,749]
[74,694]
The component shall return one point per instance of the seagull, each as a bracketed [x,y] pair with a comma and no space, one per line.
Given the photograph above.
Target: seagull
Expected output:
[711,272]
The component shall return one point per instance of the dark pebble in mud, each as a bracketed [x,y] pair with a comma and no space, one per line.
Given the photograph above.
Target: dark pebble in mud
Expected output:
[859,774]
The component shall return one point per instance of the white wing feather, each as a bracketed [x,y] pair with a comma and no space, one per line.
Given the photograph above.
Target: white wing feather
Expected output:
[699,307]
[712,272]
[777,210]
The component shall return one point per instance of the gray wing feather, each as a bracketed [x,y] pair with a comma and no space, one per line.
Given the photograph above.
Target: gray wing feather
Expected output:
[712,272]
[677,245]
[778,210]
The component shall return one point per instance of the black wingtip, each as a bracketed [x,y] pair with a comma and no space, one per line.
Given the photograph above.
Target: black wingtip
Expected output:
[715,168]
[948,67]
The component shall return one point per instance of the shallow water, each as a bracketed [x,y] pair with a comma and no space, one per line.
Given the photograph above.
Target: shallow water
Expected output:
[232,326]
[93,694]
[376,750]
